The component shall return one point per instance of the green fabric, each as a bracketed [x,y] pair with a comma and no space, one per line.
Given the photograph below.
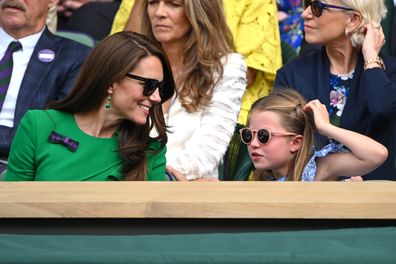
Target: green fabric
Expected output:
[236,165]
[359,245]
[77,36]
[288,52]
[33,157]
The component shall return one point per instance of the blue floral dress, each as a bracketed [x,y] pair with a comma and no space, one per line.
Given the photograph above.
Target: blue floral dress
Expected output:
[310,169]
[339,91]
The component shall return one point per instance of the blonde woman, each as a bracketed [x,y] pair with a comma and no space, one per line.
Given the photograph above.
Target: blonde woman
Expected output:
[350,75]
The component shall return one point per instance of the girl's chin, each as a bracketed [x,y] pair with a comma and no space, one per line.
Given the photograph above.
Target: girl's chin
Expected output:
[260,166]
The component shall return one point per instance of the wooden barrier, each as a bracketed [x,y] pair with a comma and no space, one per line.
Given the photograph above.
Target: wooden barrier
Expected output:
[202,200]
[196,222]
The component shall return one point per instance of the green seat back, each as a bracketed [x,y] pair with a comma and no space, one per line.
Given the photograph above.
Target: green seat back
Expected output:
[237,164]
[78,37]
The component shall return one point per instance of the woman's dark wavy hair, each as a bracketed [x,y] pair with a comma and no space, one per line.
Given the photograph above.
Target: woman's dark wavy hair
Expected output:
[108,63]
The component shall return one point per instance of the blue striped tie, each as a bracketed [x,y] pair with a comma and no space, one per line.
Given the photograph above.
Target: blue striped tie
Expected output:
[6,64]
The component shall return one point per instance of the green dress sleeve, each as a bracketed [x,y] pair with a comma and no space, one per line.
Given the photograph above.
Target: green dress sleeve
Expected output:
[156,163]
[21,164]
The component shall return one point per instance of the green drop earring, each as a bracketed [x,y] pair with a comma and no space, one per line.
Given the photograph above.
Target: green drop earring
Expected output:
[108,105]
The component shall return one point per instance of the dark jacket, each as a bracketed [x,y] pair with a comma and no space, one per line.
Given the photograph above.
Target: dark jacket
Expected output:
[371,105]
[44,82]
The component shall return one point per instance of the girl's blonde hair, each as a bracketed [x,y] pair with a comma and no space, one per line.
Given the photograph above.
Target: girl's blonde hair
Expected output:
[289,105]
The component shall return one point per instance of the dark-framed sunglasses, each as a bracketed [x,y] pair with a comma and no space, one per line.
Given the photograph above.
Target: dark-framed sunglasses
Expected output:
[317,7]
[263,135]
[149,85]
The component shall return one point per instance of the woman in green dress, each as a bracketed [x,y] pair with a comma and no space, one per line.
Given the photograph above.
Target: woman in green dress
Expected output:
[110,127]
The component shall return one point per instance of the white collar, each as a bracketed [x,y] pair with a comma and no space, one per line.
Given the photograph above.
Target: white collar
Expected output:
[28,42]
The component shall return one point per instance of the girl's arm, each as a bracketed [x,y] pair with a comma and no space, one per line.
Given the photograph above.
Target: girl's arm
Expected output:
[366,154]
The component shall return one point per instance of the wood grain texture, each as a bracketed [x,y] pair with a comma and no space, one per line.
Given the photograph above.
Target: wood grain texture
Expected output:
[260,200]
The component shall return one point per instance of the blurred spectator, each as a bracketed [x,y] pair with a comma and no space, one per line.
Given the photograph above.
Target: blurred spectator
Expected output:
[291,24]
[52,19]
[93,17]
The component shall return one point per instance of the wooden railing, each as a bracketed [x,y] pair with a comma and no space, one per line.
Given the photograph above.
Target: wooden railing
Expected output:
[247,200]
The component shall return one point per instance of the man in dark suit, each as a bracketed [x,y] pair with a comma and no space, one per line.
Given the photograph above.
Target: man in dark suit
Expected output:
[44,69]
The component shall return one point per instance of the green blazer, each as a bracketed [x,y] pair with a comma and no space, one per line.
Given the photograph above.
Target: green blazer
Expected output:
[34,158]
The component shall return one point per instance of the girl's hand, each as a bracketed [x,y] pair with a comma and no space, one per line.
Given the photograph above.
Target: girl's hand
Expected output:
[321,116]
[373,40]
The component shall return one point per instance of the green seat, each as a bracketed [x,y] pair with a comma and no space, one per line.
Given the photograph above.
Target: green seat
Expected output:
[236,165]
[78,37]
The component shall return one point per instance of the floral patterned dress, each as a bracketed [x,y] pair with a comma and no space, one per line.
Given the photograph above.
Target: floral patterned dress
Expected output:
[309,172]
[339,92]
[310,169]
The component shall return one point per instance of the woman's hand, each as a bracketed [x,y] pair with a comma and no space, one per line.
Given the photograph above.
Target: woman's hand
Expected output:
[178,175]
[321,116]
[354,179]
[373,41]
[181,177]
[251,76]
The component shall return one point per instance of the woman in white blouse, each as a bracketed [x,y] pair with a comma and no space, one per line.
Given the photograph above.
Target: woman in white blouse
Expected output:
[210,81]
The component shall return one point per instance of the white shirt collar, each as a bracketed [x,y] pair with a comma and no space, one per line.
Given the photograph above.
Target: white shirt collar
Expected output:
[28,42]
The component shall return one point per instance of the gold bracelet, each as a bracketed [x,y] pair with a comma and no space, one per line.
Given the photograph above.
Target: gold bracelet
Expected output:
[377,60]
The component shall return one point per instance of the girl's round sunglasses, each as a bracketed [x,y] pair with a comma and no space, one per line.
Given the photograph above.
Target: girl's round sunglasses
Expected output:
[263,135]
[149,85]
[317,7]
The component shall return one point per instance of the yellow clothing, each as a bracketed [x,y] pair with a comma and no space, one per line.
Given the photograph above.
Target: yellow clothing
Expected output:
[254,26]
[122,15]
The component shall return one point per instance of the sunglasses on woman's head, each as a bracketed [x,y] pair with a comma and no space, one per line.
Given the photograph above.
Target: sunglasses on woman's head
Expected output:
[149,85]
[317,7]
[263,135]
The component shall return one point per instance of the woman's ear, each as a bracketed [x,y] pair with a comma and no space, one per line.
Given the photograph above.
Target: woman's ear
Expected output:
[355,22]
[296,143]
[111,89]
